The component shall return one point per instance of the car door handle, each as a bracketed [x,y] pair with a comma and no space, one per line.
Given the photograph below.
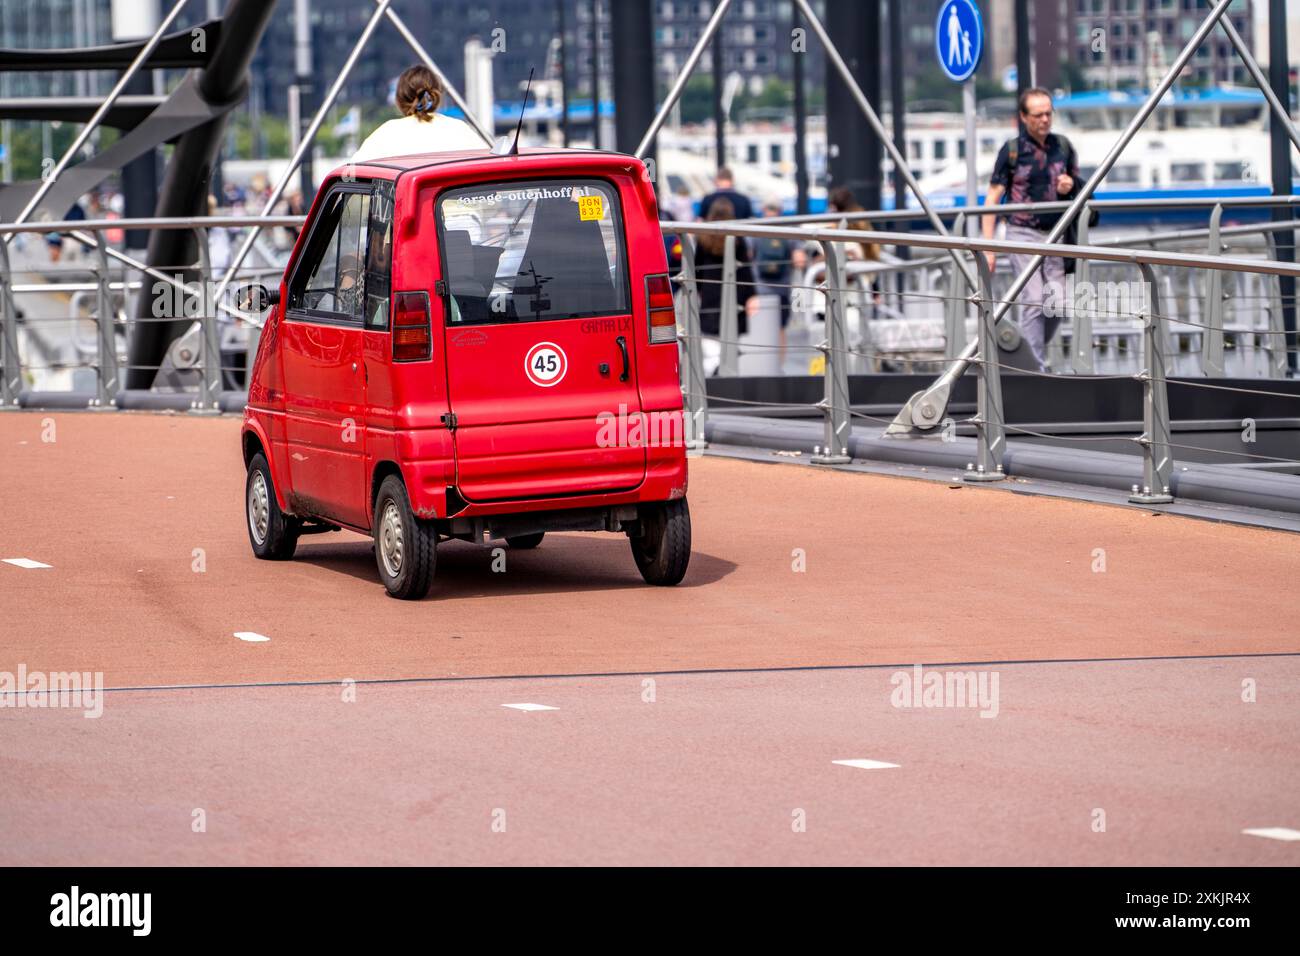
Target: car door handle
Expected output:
[622,347]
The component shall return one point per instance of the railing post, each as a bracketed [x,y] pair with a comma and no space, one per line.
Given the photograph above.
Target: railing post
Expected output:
[106,377]
[1157,456]
[1081,357]
[728,320]
[210,385]
[954,310]
[835,403]
[691,360]
[990,424]
[1276,347]
[250,354]
[1212,334]
[11,373]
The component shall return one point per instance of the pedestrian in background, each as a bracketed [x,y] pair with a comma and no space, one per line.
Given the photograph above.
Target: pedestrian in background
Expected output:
[841,199]
[709,255]
[726,189]
[1036,165]
[773,265]
[421,128]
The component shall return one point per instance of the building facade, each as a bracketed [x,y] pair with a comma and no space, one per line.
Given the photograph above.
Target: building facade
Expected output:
[1123,44]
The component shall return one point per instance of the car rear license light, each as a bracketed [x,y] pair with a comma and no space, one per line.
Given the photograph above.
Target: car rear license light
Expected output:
[659,306]
[412,338]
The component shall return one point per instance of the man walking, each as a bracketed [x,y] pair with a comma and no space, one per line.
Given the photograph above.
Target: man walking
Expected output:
[1035,166]
[726,189]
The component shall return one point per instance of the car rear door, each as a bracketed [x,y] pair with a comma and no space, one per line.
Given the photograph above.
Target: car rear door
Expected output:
[324,365]
[539,344]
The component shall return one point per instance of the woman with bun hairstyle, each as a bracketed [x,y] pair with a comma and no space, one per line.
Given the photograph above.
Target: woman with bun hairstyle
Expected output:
[421,128]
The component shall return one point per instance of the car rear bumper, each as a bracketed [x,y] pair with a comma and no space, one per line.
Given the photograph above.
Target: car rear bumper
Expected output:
[433,496]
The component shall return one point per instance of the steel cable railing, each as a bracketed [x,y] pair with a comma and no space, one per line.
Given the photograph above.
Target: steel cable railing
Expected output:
[1157,329]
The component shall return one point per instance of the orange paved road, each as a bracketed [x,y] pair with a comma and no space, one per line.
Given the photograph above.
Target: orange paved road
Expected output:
[897,571]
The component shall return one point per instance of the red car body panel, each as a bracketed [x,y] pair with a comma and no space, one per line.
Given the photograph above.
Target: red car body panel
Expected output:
[332,409]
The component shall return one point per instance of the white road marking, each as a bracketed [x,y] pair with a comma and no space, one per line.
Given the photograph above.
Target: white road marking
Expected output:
[865,764]
[529,707]
[251,636]
[26,563]
[1275,833]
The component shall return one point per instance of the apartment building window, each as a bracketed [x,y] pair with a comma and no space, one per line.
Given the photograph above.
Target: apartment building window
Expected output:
[940,149]
[774,152]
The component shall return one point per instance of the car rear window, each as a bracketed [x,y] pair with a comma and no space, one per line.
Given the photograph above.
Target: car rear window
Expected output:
[532,251]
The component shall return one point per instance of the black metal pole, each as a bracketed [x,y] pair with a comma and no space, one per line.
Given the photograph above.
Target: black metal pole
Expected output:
[1024,72]
[595,75]
[719,121]
[1280,150]
[854,152]
[1024,53]
[800,121]
[564,73]
[139,177]
[187,181]
[632,27]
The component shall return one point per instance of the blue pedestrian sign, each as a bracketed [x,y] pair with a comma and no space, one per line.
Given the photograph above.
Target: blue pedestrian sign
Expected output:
[959,38]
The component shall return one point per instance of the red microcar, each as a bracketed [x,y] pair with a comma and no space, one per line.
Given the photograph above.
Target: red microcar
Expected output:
[475,346]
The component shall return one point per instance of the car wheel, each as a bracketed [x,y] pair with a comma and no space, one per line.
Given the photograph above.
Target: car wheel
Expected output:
[525,542]
[662,543]
[405,546]
[272,533]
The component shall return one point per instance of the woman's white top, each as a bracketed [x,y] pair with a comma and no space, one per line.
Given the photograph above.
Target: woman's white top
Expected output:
[407,136]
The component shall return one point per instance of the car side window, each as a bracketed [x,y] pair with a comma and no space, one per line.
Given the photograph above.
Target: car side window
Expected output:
[379,256]
[330,279]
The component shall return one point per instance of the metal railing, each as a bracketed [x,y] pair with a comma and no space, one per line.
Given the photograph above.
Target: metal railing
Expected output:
[1203,311]
[110,286]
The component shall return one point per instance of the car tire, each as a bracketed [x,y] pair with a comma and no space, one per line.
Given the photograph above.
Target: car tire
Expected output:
[661,545]
[525,542]
[272,533]
[405,546]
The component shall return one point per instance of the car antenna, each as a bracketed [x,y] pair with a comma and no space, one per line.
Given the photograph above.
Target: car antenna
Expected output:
[500,148]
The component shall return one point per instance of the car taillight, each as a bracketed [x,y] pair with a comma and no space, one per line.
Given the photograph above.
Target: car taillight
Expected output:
[412,339]
[659,306]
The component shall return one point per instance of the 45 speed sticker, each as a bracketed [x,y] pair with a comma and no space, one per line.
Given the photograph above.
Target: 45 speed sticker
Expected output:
[545,364]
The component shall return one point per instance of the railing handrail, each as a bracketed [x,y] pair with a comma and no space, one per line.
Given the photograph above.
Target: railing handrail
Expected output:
[1101,205]
[980,244]
[153,222]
